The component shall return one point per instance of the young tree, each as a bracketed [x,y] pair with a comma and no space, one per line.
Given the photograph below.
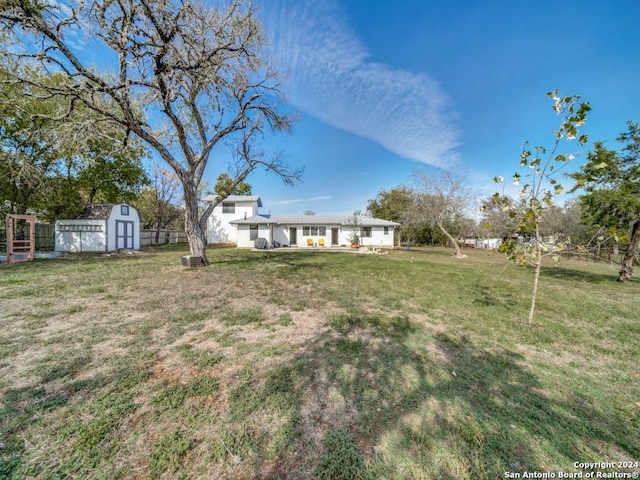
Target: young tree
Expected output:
[538,195]
[158,203]
[439,199]
[183,78]
[612,184]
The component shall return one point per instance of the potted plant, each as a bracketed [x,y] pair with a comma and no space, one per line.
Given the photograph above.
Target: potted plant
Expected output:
[354,236]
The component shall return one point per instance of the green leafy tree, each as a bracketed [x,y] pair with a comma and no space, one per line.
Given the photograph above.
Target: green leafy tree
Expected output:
[391,205]
[225,186]
[107,172]
[541,186]
[27,158]
[611,181]
[44,170]
[184,79]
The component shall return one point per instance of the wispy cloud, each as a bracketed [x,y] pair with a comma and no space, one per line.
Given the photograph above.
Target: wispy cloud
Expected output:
[300,200]
[331,78]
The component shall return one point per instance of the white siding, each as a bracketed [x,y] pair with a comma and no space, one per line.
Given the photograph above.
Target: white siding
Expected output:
[378,238]
[75,236]
[97,235]
[117,215]
[244,234]
[218,228]
[282,235]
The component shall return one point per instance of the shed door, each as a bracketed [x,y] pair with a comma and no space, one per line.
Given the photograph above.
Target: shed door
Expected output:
[124,234]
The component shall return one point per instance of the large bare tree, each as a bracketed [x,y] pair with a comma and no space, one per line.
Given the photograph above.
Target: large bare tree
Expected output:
[180,76]
[439,200]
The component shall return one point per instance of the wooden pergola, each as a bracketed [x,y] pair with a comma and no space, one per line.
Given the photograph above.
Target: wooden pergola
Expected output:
[21,238]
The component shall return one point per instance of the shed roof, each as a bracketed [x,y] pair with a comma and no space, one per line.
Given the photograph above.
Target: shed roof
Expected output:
[97,211]
[312,220]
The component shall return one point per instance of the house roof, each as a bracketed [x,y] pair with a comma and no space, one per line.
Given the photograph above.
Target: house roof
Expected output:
[312,220]
[235,198]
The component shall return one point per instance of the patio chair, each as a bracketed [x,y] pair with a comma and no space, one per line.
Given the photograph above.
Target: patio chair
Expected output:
[309,242]
[321,242]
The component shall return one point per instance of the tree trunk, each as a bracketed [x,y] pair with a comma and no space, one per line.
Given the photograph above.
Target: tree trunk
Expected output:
[627,263]
[158,228]
[451,240]
[536,278]
[194,229]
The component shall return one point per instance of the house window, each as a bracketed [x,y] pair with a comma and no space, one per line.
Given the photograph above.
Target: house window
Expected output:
[386,230]
[366,231]
[314,231]
[124,210]
[228,207]
[253,232]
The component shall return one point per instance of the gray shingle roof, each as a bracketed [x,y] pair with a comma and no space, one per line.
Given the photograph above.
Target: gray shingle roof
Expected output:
[97,211]
[312,220]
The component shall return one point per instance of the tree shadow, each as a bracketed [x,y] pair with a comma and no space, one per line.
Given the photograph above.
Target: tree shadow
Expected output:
[294,260]
[571,274]
[492,414]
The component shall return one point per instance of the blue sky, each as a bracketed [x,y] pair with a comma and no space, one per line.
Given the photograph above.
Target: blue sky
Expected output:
[383,88]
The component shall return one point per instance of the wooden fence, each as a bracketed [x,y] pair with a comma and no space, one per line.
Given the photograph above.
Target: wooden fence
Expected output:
[45,237]
[603,254]
[148,237]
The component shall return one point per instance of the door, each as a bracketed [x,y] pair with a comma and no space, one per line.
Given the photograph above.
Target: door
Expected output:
[293,233]
[124,235]
[334,236]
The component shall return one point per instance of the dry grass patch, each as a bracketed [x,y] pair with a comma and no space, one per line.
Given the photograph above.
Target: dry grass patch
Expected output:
[301,364]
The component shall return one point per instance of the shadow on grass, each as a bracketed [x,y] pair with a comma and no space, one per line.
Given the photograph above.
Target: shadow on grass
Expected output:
[29,407]
[485,411]
[294,260]
[572,274]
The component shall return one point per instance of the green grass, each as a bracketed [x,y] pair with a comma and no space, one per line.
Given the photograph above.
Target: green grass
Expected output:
[293,364]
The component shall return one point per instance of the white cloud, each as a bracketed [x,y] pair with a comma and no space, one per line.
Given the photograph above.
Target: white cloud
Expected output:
[300,200]
[331,79]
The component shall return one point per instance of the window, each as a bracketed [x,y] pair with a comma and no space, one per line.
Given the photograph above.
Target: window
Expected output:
[386,230]
[253,232]
[314,231]
[124,210]
[228,207]
[366,231]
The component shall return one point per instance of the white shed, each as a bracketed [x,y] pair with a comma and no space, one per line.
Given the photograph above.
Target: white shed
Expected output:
[102,227]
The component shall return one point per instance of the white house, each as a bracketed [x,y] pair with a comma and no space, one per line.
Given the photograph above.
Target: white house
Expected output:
[100,227]
[234,207]
[246,225]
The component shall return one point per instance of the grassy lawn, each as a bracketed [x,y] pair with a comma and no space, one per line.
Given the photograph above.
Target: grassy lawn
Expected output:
[410,365]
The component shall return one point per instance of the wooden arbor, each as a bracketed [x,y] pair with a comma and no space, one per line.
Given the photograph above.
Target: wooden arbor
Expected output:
[21,238]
